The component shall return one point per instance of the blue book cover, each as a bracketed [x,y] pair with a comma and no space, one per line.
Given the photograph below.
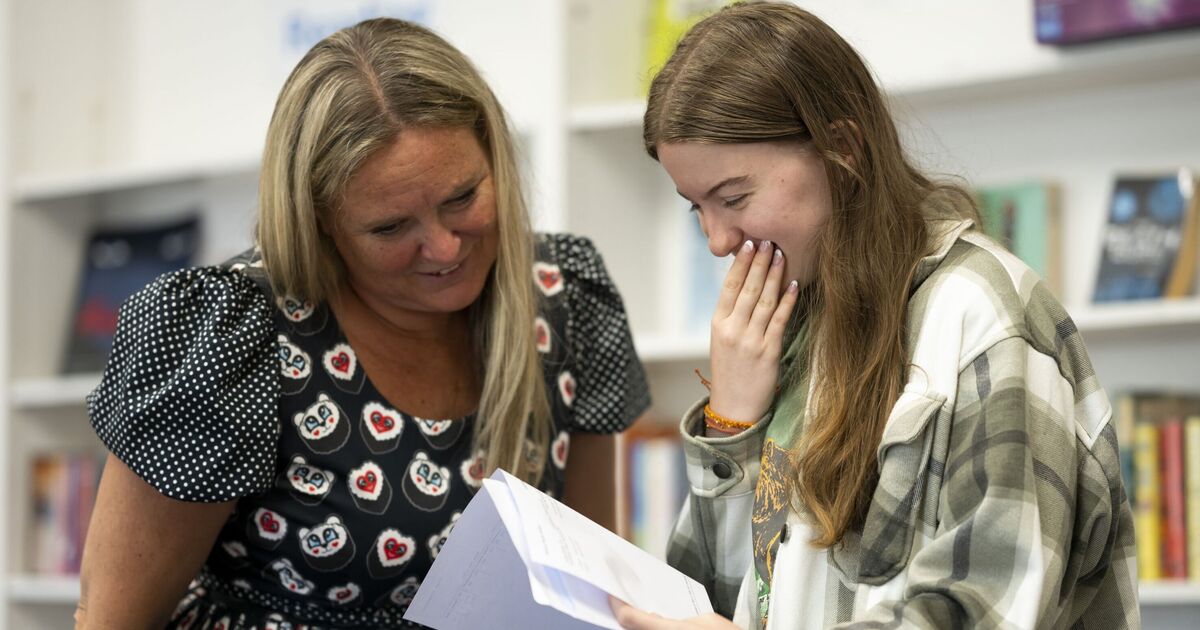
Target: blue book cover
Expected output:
[1146,230]
[117,263]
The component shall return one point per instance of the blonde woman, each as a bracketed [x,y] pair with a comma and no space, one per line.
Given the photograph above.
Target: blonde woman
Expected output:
[294,433]
[903,428]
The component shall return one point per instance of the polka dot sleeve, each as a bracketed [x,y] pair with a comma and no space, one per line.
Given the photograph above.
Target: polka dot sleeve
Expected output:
[611,389]
[188,399]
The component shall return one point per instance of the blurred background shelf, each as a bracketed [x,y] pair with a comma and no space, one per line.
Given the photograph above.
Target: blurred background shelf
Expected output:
[52,391]
[34,589]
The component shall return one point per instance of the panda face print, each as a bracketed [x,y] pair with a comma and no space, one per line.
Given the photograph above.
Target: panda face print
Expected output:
[323,426]
[289,578]
[438,540]
[294,363]
[426,484]
[293,309]
[325,539]
[327,546]
[310,484]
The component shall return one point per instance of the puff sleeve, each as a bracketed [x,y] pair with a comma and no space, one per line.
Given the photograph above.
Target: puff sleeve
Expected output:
[189,396]
[610,389]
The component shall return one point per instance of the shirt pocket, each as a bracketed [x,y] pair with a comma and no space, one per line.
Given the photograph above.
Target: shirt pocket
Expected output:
[882,549]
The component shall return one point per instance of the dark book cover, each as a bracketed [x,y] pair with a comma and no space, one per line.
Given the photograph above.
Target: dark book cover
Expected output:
[117,263]
[1078,21]
[1145,234]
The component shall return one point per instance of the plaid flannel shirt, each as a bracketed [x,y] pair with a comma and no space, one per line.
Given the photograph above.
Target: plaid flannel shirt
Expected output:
[999,503]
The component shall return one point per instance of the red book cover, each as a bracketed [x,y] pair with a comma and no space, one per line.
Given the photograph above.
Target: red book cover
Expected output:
[1174,507]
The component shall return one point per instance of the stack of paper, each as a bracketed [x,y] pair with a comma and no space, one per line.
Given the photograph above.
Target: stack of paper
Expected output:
[519,559]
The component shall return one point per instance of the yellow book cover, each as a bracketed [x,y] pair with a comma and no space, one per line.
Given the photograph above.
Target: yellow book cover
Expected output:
[1191,457]
[669,20]
[1148,507]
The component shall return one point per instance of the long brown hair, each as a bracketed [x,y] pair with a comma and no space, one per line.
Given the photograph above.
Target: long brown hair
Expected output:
[762,72]
[352,94]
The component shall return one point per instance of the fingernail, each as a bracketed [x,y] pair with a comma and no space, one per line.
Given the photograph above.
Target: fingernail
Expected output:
[747,246]
[778,258]
[764,246]
[793,287]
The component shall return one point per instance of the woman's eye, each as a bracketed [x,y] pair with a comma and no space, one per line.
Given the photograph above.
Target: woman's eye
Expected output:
[463,199]
[734,202]
[389,229]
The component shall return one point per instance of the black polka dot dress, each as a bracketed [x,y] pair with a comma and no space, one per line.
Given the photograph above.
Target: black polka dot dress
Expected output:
[217,390]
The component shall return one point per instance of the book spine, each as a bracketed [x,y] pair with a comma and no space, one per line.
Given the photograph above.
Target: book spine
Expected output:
[1126,414]
[1147,523]
[1191,440]
[1174,526]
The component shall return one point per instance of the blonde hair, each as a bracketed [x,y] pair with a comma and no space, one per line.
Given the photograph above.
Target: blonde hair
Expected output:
[352,94]
[764,72]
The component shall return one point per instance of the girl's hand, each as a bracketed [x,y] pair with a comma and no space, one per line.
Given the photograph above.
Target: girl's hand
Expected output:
[631,618]
[747,333]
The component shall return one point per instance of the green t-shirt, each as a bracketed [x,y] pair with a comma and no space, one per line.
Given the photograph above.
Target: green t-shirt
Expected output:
[773,490]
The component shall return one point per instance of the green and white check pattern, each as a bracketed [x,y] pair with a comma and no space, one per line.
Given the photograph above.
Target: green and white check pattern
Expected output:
[1000,502]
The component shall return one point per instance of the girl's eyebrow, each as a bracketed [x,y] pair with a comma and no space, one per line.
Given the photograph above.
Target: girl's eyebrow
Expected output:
[729,181]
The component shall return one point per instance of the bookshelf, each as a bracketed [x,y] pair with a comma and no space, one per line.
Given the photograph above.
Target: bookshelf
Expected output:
[119,135]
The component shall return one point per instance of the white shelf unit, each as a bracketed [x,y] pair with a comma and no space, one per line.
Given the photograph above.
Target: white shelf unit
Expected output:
[116,135]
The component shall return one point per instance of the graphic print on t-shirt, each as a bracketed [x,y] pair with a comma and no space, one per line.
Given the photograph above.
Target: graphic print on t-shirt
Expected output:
[391,552]
[291,580]
[342,364]
[440,434]
[266,528]
[381,427]
[371,491]
[324,427]
[295,366]
[426,485]
[437,540]
[328,546]
[548,278]
[310,484]
[344,595]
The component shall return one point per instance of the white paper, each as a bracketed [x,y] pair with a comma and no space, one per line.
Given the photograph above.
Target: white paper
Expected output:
[518,559]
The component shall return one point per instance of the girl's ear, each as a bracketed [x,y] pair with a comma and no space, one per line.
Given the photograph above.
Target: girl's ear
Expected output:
[848,139]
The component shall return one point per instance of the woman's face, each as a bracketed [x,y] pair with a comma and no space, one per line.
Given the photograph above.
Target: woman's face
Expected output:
[776,191]
[417,226]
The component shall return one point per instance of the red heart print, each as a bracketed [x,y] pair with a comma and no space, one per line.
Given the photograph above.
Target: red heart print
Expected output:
[569,387]
[394,549]
[366,482]
[341,362]
[548,278]
[561,451]
[541,336]
[381,422]
[476,469]
[343,594]
[268,522]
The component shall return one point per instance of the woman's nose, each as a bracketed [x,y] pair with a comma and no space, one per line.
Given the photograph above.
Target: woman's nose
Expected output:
[723,237]
[440,243]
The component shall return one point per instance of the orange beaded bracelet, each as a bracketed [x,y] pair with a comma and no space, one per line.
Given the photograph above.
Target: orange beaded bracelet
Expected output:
[716,421]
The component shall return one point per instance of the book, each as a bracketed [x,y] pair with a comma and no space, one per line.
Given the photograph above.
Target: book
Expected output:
[1073,22]
[1174,555]
[1191,447]
[1146,512]
[117,263]
[63,493]
[519,559]
[705,277]
[1147,238]
[1024,217]
[668,21]
[656,484]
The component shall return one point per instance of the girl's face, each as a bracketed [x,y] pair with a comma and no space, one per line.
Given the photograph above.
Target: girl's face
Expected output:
[417,227]
[776,191]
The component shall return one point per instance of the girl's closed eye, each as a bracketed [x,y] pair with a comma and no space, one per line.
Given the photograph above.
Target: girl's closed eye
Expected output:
[735,201]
